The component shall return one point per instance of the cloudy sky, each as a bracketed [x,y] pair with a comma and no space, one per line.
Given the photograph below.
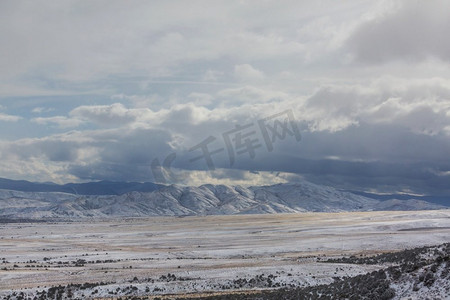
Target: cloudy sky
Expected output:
[354,94]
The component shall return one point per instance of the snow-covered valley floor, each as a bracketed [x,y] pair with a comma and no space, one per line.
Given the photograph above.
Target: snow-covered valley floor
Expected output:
[179,255]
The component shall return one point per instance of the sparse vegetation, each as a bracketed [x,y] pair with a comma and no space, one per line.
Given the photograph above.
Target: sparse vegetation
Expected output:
[112,270]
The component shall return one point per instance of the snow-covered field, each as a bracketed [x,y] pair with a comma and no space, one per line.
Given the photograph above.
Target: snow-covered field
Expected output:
[164,255]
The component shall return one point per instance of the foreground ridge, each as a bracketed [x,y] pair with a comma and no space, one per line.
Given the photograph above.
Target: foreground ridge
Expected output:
[417,273]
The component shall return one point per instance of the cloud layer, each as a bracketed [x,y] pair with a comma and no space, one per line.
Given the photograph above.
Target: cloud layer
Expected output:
[110,91]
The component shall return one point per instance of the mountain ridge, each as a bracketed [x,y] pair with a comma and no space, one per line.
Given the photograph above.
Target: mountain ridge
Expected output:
[207,199]
[102,187]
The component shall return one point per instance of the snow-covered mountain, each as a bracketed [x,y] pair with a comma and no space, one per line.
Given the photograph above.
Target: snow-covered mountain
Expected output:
[410,204]
[89,188]
[207,199]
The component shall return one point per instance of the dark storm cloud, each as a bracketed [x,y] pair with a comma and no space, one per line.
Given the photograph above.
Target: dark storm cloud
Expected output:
[379,157]
[119,154]
[111,171]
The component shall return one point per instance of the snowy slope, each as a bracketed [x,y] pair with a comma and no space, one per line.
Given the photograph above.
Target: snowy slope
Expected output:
[410,204]
[207,199]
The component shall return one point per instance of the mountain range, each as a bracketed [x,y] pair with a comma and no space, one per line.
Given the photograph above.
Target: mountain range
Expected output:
[175,200]
[89,188]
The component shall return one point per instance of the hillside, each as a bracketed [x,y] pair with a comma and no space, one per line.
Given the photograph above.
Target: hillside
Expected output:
[207,199]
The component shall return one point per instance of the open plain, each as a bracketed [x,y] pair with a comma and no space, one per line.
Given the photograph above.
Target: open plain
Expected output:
[180,255]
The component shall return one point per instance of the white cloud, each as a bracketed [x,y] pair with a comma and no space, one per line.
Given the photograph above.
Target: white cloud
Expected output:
[212,75]
[39,110]
[9,118]
[231,177]
[420,105]
[153,40]
[140,101]
[36,169]
[412,30]
[250,94]
[60,121]
[201,99]
[246,72]
[115,114]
